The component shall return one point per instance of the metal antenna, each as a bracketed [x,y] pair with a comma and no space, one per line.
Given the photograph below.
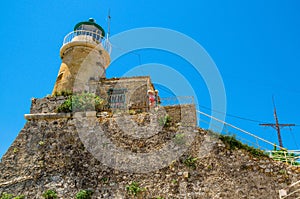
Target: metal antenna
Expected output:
[277,126]
[108,24]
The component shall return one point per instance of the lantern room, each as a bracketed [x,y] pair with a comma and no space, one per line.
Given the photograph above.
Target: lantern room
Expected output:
[89,30]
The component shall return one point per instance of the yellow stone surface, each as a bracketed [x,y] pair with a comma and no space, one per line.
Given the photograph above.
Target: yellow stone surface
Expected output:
[81,62]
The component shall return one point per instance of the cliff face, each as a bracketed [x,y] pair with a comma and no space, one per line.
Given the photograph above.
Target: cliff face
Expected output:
[51,152]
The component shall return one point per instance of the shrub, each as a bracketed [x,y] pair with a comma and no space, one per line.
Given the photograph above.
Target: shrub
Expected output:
[282,171]
[190,162]
[19,197]
[232,143]
[41,143]
[6,196]
[10,196]
[105,180]
[50,194]
[84,194]
[165,121]
[134,189]
[66,106]
[82,102]
[179,139]
[16,150]
[131,112]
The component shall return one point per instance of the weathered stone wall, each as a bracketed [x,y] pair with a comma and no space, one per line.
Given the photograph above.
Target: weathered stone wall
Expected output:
[50,154]
[46,104]
[184,114]
[136,90]
[135,95]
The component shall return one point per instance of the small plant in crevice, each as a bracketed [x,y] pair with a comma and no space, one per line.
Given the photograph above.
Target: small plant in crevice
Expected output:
[50,194]
[105,180]
[134,189]
[41,143]
[165,121]
[131,112]
[16,150]
[6,196]
[19,197]
[282,172]
[84,194]
[179,139]
[190,162]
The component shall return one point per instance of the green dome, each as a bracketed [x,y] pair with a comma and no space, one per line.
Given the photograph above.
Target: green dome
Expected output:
[91,21]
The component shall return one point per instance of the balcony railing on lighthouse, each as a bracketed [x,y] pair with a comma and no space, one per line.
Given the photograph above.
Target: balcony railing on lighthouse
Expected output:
[88,36]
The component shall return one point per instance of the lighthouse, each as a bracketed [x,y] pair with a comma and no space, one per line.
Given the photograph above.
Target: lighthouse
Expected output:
[85,56]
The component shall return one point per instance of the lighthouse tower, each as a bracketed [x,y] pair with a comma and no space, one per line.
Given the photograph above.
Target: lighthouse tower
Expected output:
[85,57]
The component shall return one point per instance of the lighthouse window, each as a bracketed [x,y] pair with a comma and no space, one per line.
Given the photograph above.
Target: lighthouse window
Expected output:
[59,77]
[117,98]
[89,30]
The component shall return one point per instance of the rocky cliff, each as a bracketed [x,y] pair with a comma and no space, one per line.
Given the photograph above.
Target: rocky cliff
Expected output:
[63,152]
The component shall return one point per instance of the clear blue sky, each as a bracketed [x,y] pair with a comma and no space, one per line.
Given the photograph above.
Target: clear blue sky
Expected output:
[255,45]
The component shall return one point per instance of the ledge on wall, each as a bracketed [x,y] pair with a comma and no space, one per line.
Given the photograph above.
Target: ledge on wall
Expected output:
[43,116]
